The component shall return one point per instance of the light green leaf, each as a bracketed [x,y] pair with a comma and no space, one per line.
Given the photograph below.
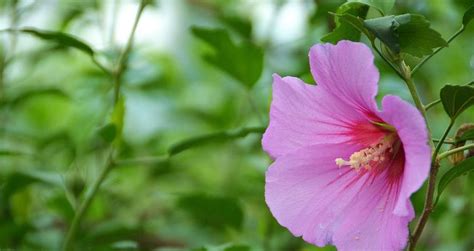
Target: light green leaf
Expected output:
[244,61]
[407,33]
[456,99]
[214,211]
[59,38]
[118,115]
[20,97]
[468,16]
[382,5]
[344,28]
[460,169]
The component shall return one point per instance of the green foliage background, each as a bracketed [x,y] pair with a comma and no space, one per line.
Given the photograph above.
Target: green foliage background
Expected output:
[190,168]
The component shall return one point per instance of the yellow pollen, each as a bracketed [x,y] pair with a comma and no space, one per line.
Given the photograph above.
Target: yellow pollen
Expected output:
[366,157]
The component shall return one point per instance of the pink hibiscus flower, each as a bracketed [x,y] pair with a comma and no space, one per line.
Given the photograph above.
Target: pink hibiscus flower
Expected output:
[344,170]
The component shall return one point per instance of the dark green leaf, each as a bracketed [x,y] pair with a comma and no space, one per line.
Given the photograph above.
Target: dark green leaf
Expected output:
[217,212]
[22,179]
[468,16]
[212,137]
[108,132]
[244,61]
[383,5]
[460,169]
[345,29]
[242,26]
[59,38]
[407,33]
[237,248]
[456,99]
[4,152]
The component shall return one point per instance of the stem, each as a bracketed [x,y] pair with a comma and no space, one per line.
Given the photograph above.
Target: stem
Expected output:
[428,106]
[446,141]
[455,150]
[386,61]
[117,77]
[102,67]
[437,50]
[85,205]
[406,76]
[123,58]
[428,207]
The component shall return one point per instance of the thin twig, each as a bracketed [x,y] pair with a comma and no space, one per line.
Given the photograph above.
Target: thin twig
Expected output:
[455,150]
[437,50]
[446,141]
[117,76]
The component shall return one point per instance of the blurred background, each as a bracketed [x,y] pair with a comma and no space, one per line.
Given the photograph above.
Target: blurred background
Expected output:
[56,105]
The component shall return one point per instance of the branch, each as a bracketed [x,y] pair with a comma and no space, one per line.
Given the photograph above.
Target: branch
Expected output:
[455,150]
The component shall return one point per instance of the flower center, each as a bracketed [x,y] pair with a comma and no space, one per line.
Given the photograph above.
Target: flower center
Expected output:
[370,156]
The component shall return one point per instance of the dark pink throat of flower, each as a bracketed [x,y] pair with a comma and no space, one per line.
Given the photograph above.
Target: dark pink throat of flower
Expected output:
[381,151]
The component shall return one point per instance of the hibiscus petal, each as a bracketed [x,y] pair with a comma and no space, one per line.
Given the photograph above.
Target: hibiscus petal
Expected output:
[302,187]
[411,129]
[369,223]
[307,193]
[347,71]
[303,114]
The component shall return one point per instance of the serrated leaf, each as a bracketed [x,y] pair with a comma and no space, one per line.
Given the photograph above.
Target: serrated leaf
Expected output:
[59,38]
[462,168]
[383,5]
[243,62]
[213,211]
[456,99]
[344,29]
[468,16]
[212,137]
[407,33]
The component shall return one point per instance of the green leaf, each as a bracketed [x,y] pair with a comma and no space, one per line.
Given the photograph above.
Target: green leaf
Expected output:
[21,179]
[213,211]
[59,38]
[212,137]
[468,16]
[237,248]
[456,99]
[11,153]
[407,33]
[244,62]
[344,28]
[460,169]
[382,5]
[18,98]
[108,132]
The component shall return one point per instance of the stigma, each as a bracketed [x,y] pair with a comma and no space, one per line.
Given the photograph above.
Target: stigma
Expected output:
[370,156]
